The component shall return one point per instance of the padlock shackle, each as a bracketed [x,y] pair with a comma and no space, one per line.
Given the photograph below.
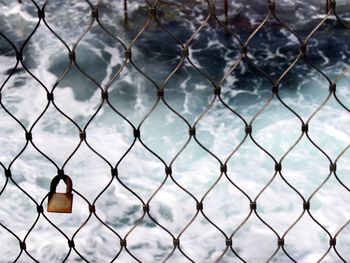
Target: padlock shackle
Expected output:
[66,179]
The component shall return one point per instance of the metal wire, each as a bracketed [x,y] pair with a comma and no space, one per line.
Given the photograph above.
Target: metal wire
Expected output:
[217,97]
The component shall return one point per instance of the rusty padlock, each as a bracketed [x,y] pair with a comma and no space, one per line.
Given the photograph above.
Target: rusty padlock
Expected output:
[60,202]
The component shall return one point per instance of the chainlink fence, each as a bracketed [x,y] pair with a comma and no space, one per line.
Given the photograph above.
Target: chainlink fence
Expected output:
[227,247]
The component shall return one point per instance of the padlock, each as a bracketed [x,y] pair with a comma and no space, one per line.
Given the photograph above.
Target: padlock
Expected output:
[60,202]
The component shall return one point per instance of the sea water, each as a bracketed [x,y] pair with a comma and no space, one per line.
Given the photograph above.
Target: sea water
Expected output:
[157,53]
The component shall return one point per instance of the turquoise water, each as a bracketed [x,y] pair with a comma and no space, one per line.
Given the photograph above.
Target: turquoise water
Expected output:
[245,91]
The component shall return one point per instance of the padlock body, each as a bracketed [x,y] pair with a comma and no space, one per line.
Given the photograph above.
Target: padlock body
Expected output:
[60,203]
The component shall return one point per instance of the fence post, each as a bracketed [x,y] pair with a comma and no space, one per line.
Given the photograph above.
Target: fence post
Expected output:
[125,11]
[330,4]
[226,12]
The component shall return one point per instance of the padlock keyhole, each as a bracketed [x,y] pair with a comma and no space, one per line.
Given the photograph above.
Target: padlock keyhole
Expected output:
[61,187]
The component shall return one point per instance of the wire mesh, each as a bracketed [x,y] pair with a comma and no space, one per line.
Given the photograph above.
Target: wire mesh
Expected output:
[200,209]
